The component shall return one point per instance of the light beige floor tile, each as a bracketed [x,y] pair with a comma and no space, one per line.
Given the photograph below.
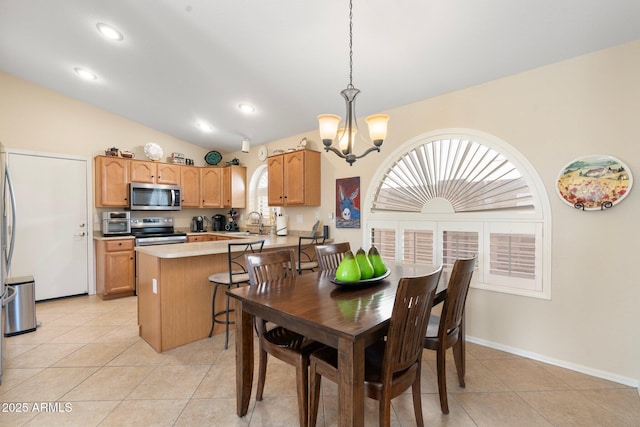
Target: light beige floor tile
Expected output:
[202,352]
[123,333]
[80,414]
[170,382]
[83,334]
[70,319]
[142,413]
[9,351]
[276,411]
[42,356]
[13,377]
[16,414]
[431,413]
[524,374]
[110,383]
[499,410]
[571,408]
[48,385]
[329,412]
[477,351]
[625,403]
[213,412]
[93,354]
[138,354]
[212,384]
[477,378]
[41,335]
[111,318]
[580,381]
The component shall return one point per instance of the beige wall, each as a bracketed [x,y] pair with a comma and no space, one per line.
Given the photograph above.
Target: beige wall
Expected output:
[587,105]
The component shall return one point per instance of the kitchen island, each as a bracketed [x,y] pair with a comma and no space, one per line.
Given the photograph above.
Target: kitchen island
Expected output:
[174,292]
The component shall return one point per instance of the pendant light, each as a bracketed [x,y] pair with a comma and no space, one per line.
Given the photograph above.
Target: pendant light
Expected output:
[346,136]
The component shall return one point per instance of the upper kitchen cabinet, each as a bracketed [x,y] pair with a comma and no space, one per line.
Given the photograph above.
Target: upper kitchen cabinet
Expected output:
[154,173]
[211,187]
[112,181]
[190,179]
[294,179]
[234,182]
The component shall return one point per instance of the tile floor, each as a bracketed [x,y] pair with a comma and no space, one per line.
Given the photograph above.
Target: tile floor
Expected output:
[88,366]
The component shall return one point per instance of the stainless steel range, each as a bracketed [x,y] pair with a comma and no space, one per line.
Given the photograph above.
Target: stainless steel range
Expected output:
[156,231]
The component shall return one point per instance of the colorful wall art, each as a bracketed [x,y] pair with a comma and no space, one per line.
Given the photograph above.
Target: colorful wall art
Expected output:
[594,182]
[348,202]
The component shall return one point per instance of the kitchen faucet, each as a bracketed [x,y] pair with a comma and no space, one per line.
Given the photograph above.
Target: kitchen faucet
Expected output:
[260,223]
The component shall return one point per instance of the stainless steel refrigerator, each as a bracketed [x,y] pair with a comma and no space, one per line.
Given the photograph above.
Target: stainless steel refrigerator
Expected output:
[7,239]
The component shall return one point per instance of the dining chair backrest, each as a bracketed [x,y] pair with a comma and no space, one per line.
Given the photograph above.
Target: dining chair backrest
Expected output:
[267,267]
[307,257]
[235,254]
[456,296]
[329,256]
[408,324]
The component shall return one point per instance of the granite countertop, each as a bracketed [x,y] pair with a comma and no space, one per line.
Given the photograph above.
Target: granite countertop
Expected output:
[215,247]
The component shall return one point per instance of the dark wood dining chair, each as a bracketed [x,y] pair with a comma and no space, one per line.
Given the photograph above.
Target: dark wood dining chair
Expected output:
[307,257]
[447,330]
[392,365]
[235,275]
[329,256]
[273,269]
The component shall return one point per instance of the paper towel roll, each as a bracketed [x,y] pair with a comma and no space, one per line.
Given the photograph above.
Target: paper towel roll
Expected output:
[281,225]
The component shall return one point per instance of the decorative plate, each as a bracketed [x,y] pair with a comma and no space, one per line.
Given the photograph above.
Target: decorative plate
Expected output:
[361,283]
[262,153]
[153,151]
[212,158]
[594,182]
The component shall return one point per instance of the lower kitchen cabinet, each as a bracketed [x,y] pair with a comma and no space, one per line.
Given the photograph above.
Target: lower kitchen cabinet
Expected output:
[115,268]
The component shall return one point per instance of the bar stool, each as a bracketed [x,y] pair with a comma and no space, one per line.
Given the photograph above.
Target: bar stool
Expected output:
[236,274]
[307,258]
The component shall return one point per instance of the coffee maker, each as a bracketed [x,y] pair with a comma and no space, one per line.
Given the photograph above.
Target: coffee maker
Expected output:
[197,224]
[219,222]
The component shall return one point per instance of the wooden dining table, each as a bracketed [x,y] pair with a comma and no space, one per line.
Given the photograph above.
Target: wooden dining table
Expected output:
[346,318]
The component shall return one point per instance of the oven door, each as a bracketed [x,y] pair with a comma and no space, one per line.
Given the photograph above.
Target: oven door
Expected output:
[154,197]
[116,227]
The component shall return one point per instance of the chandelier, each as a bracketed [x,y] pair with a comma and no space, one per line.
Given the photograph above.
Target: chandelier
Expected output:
[346,136]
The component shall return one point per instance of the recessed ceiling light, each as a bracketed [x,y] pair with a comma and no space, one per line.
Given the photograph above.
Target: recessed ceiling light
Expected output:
[246,108]
[109,32]
[85,74]
[204,127]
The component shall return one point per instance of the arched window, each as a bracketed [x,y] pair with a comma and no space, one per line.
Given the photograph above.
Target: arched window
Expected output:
[457,193]
[258,196]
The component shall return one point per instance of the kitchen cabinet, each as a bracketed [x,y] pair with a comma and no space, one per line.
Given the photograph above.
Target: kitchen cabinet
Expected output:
[199,238]
[154,173]
[294,179]
[211,187]
[112,181]
[234,181]
[223,187]
[115,268]
[190,179]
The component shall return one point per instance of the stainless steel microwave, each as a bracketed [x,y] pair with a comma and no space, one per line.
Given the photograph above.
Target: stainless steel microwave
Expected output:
[116,223]
[154,197]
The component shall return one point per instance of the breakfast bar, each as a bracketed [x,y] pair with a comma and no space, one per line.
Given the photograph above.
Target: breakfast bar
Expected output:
[174,292]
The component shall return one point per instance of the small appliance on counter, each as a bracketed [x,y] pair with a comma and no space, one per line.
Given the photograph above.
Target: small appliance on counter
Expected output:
[116,223]
[232,225]
[219,222]
[197,224]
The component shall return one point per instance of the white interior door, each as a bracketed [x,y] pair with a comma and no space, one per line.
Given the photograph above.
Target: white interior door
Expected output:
[52,223]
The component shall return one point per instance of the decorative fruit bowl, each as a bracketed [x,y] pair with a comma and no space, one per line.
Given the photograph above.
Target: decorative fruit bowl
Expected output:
[364,282]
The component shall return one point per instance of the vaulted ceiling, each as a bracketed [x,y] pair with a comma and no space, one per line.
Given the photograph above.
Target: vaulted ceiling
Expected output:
[184,62]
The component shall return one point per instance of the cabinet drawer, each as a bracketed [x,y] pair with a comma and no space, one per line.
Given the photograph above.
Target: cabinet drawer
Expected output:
[119,245]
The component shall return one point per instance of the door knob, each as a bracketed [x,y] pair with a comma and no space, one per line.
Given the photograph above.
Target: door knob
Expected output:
[82,224]
[81,234]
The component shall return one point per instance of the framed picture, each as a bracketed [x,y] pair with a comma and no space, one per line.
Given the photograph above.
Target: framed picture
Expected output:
[348,202]
[594,182]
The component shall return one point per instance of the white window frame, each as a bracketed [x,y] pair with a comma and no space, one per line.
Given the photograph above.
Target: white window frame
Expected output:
[536,221]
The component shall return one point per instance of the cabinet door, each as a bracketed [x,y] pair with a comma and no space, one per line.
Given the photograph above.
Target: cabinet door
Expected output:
[119,272]
[275,170]
[190,179]
[168,174]
[294,182]
[211,187]
[233,186]
[112,181]
[142,171]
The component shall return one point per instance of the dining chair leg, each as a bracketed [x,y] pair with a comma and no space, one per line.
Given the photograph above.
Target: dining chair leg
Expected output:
[458,357]
[417,399]
[262,373]
[314,394]
[442,379]
[302,385]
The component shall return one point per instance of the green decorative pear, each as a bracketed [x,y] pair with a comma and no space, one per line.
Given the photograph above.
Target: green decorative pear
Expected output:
[376,261]
[366,269]
[348,270]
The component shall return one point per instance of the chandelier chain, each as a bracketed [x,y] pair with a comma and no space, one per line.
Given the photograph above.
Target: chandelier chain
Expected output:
[350,44]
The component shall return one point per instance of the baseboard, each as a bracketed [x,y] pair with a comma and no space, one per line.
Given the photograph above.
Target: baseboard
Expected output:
[561,363]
